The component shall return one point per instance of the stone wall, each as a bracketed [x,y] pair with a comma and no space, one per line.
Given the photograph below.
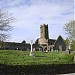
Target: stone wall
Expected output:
[44,31]
[60,44]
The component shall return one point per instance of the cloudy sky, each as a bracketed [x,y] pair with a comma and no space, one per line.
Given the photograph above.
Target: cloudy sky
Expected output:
[30,14]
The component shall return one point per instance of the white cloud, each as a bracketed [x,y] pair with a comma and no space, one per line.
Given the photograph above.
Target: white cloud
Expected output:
[30,14]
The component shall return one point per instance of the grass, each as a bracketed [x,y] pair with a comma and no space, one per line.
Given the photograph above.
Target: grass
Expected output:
[14,57]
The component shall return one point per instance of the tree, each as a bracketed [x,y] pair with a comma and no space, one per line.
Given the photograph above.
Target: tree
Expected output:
[73,45]
[67,43]
[5,27]
[23,41]
[70,30]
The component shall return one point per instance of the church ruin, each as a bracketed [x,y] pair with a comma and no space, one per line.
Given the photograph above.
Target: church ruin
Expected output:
[47,44]
[44,43]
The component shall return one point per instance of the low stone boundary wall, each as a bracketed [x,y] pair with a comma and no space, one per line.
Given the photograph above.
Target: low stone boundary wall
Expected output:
[37,69]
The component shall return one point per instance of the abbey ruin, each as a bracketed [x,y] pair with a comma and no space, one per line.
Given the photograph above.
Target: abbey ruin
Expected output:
[43,43]
[47,44]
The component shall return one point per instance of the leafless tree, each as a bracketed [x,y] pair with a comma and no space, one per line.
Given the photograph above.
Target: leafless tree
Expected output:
[5,27]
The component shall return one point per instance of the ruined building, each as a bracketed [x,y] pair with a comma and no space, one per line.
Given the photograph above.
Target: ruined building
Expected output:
[47,44]
[43,43]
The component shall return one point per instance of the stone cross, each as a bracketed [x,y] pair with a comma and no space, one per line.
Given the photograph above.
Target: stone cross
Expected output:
[31,52]
[31,45]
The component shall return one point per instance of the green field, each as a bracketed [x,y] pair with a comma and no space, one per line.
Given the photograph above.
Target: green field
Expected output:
[14,57]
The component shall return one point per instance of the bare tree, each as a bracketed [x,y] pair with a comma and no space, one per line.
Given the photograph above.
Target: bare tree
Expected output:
[5,27]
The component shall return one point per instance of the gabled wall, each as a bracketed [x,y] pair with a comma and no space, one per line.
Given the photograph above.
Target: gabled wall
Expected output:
[60,44]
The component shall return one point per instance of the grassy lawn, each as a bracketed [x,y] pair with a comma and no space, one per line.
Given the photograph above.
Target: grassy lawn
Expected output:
[14,57]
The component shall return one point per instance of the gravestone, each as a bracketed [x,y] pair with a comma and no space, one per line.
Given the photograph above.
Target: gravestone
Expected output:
[67,51]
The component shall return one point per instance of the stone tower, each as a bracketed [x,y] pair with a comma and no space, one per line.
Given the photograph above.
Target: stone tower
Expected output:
[43,40]
[44,31]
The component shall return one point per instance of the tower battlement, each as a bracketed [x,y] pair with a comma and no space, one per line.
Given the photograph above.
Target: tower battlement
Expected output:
[44,31]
